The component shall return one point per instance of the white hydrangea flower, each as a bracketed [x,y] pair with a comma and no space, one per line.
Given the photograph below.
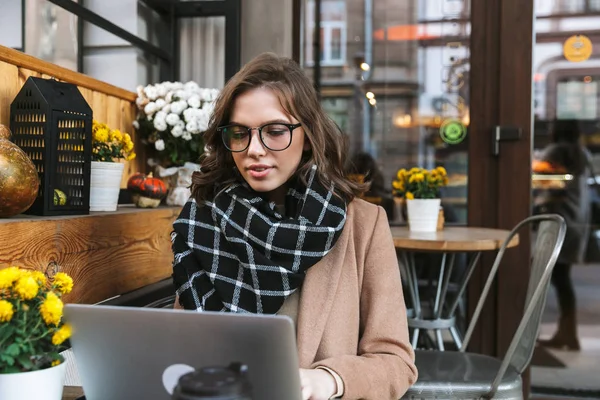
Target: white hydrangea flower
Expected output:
[177,131]
[192,126]
[136,124]
[172,119]
[183,94]
[159,145]
[167,108]
[160,125]
[160,103]
[140,90]
[194,101]
[160,116]
[203,123]
[187,136]
[178,107]
[169,96]
[191,86]
[162,89]
[151,92]
[150,108]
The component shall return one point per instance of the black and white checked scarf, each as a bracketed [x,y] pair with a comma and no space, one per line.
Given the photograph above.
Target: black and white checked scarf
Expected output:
[239,254]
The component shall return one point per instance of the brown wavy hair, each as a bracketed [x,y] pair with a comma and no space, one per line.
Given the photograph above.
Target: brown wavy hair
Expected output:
[328,145]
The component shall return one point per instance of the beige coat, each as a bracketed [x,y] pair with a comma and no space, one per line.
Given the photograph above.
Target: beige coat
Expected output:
[352,317]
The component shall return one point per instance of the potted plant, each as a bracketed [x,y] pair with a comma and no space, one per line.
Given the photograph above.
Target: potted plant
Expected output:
[32,334]
[172,117]
[109,148]
[421,190]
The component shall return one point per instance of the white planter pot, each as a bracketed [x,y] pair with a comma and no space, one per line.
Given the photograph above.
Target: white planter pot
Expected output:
[45,384]
[105,183]
[423,214]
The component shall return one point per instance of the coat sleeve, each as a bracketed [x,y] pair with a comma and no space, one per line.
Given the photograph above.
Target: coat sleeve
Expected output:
[384,367]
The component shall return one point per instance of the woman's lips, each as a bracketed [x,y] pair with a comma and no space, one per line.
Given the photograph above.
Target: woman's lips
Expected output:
[259,173]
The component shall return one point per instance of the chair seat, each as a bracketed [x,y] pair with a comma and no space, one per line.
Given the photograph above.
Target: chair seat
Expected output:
[456,375]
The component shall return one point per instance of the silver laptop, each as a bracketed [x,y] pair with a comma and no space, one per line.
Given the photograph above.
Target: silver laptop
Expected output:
[125,353]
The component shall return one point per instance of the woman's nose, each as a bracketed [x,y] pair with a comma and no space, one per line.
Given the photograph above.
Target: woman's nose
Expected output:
[256,148]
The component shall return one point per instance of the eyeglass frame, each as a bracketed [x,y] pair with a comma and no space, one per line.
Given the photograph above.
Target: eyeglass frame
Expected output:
[291,128]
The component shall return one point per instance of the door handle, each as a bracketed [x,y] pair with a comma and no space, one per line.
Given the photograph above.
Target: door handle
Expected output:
[504,134]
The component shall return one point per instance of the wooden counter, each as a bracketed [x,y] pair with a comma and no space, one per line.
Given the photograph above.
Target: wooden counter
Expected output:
[106,253]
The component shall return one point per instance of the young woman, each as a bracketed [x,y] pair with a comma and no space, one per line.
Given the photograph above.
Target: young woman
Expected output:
[573,204]
[273,226]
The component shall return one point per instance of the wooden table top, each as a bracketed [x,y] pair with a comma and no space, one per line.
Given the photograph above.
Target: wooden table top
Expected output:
[457,238]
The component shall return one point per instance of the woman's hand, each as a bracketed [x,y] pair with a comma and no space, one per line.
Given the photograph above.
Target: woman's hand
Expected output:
[317,384]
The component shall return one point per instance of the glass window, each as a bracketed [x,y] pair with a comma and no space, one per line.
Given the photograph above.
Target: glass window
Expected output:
[333,32]
[411,106]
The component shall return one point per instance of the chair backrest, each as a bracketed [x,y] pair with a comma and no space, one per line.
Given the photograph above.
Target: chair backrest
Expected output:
[550,237]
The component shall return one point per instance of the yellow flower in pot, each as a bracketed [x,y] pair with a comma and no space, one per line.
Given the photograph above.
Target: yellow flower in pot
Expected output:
[109,146]
[421,189]
[32,334]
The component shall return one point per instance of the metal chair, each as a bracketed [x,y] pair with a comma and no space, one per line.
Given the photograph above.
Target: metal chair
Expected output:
[462,375]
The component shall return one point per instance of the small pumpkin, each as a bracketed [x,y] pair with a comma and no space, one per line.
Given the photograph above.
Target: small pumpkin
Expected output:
[147,191]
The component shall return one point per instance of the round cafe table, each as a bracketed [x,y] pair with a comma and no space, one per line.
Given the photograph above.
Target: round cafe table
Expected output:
[447,243]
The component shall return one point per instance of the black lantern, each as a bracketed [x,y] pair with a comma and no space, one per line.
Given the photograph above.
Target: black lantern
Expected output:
[52,123]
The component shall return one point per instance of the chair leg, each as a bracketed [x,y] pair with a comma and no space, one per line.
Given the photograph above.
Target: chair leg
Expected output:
[456,336]
[415,338]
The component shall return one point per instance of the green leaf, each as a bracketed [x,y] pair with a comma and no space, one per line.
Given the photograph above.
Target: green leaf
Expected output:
[10,370]
[25,361]
[13,350]
[7,359]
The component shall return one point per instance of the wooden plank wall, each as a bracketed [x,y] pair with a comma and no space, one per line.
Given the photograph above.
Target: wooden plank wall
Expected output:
[110,104]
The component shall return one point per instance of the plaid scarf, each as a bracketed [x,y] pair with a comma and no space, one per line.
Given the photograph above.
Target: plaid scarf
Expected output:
[238,254]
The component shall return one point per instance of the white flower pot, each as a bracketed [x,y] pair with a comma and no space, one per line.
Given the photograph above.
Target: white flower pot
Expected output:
[423,214]
[45,384]
[105,183]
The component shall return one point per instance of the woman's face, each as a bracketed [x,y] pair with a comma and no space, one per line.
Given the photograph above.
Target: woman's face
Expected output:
[265,170]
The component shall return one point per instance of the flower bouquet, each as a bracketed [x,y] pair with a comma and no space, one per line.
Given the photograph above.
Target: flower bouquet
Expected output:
[109,146]
[32,333]
[421,189]
[172,116]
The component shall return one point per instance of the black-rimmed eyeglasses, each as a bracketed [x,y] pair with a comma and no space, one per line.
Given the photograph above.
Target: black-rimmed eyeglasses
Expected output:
[275,136]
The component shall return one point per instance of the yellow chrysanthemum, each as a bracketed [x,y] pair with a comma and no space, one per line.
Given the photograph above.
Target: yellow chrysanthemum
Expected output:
[414,170]
[26,287]
[441,171]
[115,135]
[39,277]
[128,146]
[63,282]
[8,276]
[6,311]
[101,135]
[55,363]
[409,196]
[419,177]
[401,174]
[398,185]
[61,335]
[51,309]
[131,156]
[126,137]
